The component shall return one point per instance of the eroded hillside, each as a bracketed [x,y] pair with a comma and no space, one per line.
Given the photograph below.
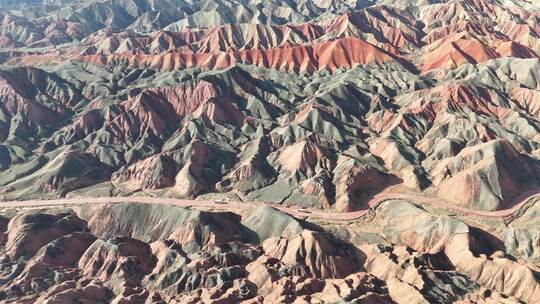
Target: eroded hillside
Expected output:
[323,104]
[419,119]
[142,253]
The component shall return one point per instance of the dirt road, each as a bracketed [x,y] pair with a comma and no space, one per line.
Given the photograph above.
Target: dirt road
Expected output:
[232,206]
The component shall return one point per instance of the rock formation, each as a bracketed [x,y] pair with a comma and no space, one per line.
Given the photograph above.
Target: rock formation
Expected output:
[322,106]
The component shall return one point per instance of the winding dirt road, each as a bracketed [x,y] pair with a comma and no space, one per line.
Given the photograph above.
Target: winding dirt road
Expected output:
[377,199]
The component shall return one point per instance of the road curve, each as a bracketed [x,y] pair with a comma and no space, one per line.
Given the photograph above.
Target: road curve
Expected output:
[516,206]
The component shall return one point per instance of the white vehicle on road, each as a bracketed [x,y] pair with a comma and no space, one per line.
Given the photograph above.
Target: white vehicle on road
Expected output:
[220,202]
[303,210]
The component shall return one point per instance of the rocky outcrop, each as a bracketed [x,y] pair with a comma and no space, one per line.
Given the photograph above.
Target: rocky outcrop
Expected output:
[265,222]
[400,253]
[120,263]
[28,232]
[314,254]
[492,173]
[462,248]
